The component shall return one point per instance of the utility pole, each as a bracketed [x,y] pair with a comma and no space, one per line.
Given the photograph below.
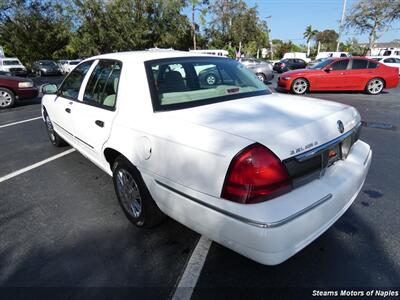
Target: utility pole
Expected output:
[341,24]
[193,25]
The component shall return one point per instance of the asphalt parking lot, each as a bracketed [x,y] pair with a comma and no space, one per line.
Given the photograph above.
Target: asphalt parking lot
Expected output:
[61,225]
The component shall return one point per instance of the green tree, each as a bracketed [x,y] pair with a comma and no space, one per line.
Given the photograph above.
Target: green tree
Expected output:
[235,24]
[309,34]
[35,29]
[373,17]
[327,38]
[198,6]
[123,25]
[352,46]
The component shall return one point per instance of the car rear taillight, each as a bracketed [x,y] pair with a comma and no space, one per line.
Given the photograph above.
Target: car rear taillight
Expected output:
[255,175]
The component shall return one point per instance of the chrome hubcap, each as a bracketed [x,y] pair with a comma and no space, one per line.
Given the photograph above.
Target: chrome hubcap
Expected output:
[300,86]
[375,86]
[260,77]
[129,193]
[211,80]
[5,99]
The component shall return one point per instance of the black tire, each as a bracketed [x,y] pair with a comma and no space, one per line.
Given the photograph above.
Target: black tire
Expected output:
[261,76]
[375,86]
[142,211]
[7,98]
[300,86]
[54,138]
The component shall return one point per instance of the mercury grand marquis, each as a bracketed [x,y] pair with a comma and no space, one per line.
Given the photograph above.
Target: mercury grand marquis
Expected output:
[263,174]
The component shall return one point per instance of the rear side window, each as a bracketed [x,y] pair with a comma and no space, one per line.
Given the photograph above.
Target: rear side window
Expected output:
[389,60]
[72,84]
[101,89]
[340,65]
[359,64]
[372,65]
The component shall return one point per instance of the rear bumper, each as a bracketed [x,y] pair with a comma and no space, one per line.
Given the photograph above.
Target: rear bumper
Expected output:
[270,241]
[27,93]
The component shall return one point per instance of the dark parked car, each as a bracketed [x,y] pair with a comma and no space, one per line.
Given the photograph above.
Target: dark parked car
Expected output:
[288,64]
[15,88]
[46,67]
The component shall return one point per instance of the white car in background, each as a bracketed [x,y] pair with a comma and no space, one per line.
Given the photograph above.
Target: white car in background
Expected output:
[69,65]
[332,54]
[300,55]
[391,61]
[12,65]
[263,174]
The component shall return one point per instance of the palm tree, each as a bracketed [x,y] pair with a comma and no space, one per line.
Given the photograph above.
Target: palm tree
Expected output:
[309,34]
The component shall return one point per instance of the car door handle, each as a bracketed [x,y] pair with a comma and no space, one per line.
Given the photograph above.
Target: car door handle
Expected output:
[68,110]
[99,123]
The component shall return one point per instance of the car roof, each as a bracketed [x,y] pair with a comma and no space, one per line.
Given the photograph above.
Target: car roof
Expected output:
[146,55]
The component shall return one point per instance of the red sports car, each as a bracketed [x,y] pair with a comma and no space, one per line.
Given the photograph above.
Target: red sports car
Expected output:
[341,74]
[15,88]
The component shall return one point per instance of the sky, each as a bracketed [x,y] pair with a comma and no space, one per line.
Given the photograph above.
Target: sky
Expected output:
[291,17]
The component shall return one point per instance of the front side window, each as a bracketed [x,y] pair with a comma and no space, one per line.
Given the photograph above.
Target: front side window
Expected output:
[101,89]
[389,60]
[340,65]
[72,84]
[192,81]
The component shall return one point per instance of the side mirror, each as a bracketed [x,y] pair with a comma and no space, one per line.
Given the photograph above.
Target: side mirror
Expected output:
[328,69]
[49,88]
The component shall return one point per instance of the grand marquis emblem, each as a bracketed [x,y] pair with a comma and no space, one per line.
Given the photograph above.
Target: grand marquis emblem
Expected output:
[340,126]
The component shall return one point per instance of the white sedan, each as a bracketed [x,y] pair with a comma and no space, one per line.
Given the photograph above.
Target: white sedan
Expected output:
[263,174]
[390,61]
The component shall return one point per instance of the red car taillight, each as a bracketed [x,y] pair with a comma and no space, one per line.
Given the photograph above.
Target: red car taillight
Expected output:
[255,175]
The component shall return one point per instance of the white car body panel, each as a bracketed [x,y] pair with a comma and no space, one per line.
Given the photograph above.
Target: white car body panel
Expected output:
[184,156]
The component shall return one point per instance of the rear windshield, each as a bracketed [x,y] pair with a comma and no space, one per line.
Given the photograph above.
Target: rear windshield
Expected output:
[11,62]
[47,63]
[178,83]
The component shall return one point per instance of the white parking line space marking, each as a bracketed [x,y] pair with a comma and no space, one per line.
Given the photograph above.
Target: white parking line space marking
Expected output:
[188,281]
[19,122]
[36,165]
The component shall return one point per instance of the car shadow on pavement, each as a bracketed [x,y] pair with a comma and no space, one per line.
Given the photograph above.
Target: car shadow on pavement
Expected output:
[116,261]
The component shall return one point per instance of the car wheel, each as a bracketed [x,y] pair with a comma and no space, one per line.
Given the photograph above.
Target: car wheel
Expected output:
[299,86]
[211,79]
[7,98]
[261,76]
[375,86]
[133,195]
[55,139]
